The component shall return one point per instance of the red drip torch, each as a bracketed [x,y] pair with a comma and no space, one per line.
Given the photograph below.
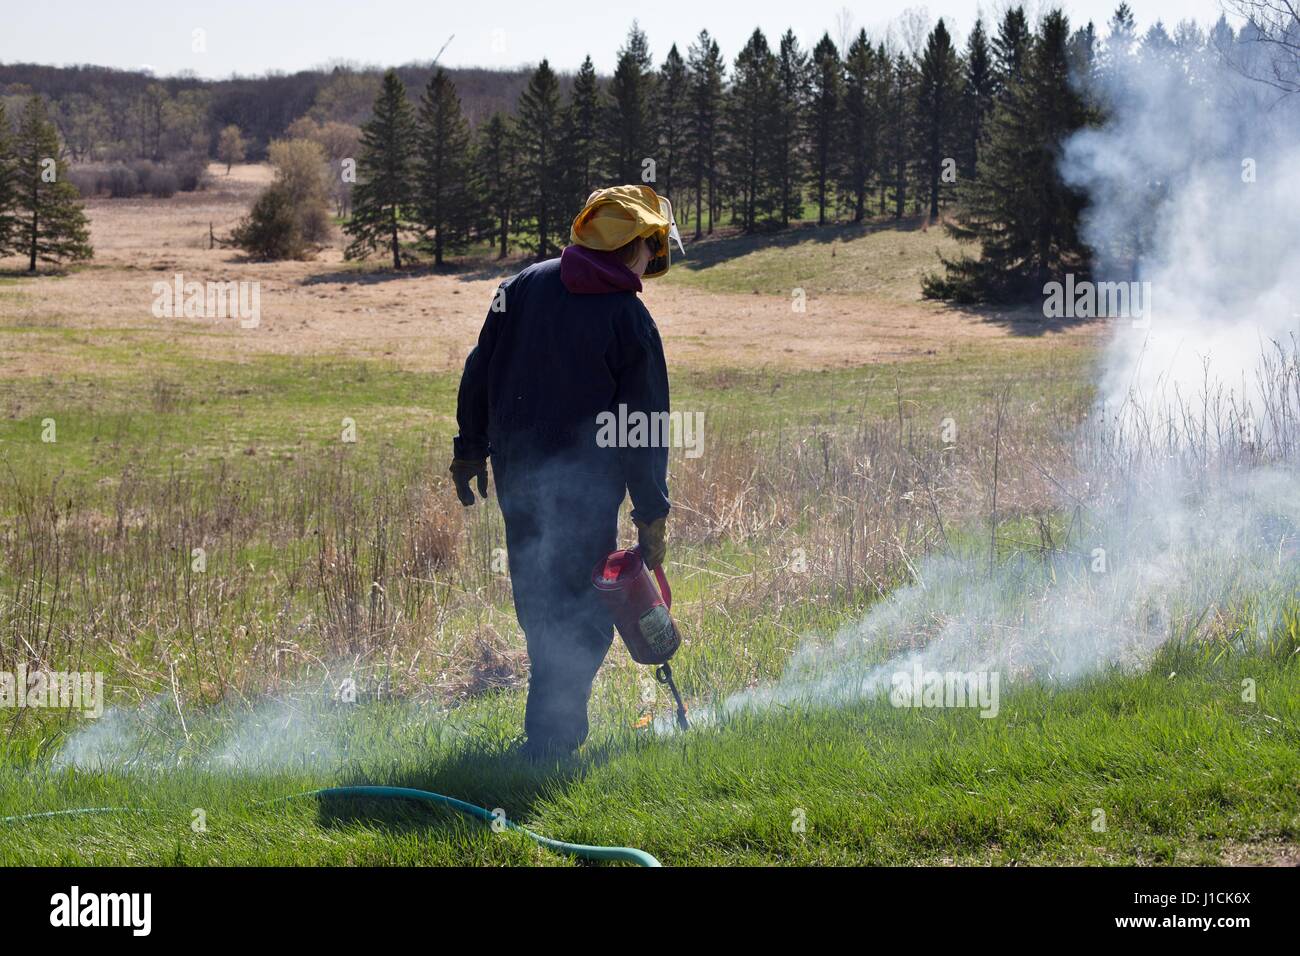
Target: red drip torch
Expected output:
[640,612]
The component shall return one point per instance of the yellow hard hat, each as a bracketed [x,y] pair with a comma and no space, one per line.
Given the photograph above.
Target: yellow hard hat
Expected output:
[615,216]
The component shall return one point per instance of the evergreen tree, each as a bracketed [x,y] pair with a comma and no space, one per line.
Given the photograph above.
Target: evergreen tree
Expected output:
[582,120]
[749,130]
[495,169]
[789,147]
[671,119]
[271,230]
[445,198]
[629,123]
[858,161]
[976,98]
[704,128]
[1010,47]
[1023,216]
[1157,49]
[938,92]
[541,160]
[882,102]
[824,120]
[50,223]
[900,92]
[385,191]
[1122,39]
[8,189]
[1084,62]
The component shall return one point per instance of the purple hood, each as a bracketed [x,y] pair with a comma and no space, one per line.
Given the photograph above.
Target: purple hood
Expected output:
[586,271]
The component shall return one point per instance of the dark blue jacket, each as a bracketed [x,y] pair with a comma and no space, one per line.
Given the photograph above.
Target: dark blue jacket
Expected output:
[547,363]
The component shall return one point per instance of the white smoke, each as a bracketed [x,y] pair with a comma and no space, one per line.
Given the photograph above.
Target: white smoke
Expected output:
[119,737]
[1189,460]
[306,728]
[276,734]
[1193,176]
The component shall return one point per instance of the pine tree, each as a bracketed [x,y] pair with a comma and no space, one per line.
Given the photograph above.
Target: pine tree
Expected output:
[860,143]
[582,140]
[51,225]
[1157,48]
[495,168]
[1025,219]
[892,127]
[1122,40]
[671,118]
[385,191]
[8,189]
[976,98]
[824,120]
[541,168]
[445,198]
[789,147]
[749,130]
[937,104]
[1084,62]
[902,110]
[704,128]
[1010,48]
[629,123]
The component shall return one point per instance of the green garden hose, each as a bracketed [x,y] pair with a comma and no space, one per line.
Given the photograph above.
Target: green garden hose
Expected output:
[611,853]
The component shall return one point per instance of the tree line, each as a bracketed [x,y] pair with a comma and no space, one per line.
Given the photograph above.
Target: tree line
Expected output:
[841,132]
[779,134]
[106,115]
[754,143]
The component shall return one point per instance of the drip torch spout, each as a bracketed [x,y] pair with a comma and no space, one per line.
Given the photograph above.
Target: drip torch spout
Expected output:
[664,674]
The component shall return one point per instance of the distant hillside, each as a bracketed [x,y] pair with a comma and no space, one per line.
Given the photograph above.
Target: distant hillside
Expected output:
[262,106]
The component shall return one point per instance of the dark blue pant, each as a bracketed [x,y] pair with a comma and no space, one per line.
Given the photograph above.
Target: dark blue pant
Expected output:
[561,519]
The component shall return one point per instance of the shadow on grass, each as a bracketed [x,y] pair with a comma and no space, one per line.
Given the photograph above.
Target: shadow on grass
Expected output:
[709,251]
[489,778]
[467,270]
[44,272]
[1023,319]
[725,244]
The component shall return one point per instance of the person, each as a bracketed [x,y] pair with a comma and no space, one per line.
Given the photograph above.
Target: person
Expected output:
[564,341]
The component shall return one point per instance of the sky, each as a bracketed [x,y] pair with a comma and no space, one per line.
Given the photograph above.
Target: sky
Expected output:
[256,36]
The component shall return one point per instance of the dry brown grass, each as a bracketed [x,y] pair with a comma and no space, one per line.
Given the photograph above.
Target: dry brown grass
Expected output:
[384,572]
[423,320]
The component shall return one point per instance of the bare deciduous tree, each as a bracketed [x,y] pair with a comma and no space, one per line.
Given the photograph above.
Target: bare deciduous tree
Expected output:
[1275,25]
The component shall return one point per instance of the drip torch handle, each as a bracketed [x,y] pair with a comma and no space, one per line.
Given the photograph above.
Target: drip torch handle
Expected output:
[664,589]
[662,580]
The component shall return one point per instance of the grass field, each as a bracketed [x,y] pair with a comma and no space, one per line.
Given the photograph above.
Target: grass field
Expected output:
[845,444]
[1182,770]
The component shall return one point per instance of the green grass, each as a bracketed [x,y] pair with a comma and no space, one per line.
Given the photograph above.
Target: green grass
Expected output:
[1175,760]
[881,260]
[180,410]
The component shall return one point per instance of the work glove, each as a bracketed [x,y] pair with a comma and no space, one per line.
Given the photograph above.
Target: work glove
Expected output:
[651,539]
[462,470]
